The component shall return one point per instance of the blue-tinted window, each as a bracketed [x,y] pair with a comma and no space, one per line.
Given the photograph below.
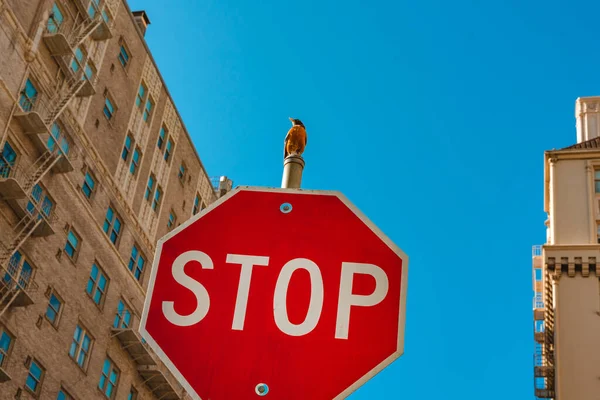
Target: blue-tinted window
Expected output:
[72,244]
[77,60]
[123,56]
[7,160]
[161,137]
[172,219]
[34,377]
[135,161]
[149,188]
[112,225]
[80,346]
[63,395]
[28,96]
[123,316]
[156,200]
[132,394]
[109,109]
[97,284]
[5,342]
[88,185]
[55,20]
[140,95]
[148,109]
[168,150]
[109,378]
[136,262]
[53,310]
[126,147]
[93,8]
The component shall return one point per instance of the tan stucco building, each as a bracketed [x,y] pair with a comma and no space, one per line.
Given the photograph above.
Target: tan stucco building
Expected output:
[95,166]
[566,285]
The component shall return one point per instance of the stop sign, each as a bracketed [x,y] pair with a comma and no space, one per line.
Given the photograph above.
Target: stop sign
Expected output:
[276,293]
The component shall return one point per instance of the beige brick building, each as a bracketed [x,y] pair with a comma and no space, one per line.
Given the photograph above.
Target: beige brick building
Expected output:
[95,166]
[566,270]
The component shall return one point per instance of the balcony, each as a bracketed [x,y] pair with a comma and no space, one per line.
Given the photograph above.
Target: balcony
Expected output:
[43,216]
[96,10]
[77,82]
[32,115]
[58,147]
[132,342]
[55,38]
[13,179]
[158,383]
[16,285]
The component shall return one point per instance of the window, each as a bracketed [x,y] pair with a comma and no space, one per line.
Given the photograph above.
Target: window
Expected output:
[597,180]
[77,61]
[72,245]
[148,109]
[140,95]
[19,271]
[181,173]
[28,96]
[38,197]
[169,149]
[112,225]
[126,147]
[172,220]
[123,317]
[156,201]
[57,139]
[34,377]
[135,161]
[89,183]
[149,187]
[109,109]
[55,20]
[90,71]
[132,394]
[54,308]
[97,284]
[7,160]
[106,16]
[136,262]
[161,137]
[109,378]
[63,395]
[81,346]
[93,8]
[6,340]
[123,55]
[196,204]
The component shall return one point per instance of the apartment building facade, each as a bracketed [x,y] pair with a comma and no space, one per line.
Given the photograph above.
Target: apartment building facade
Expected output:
[565,269]
[95,166]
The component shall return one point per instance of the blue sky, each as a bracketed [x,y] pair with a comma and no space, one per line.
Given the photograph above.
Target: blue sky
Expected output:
[432,117]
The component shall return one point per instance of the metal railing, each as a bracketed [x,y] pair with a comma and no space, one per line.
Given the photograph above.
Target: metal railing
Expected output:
[37,104]
[13,171]
[15,274]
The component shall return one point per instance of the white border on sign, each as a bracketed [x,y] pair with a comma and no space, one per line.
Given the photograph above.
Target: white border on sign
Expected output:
[401,320]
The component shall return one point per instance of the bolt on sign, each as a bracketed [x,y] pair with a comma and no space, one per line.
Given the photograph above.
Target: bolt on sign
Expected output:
[276,293]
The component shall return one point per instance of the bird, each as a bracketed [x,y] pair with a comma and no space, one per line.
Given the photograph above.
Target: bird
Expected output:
[296,139]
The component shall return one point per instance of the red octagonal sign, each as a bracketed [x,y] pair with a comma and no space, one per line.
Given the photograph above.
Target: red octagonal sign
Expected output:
[276,293]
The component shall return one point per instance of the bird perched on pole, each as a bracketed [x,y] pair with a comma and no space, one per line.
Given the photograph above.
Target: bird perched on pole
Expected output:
[296,139]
